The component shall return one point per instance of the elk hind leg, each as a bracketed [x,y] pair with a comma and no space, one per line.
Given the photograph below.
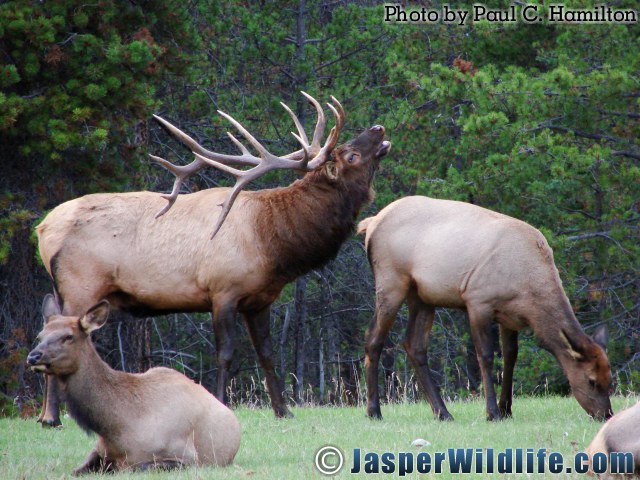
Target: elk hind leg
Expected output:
[258,327]
[416,343]
[388,303]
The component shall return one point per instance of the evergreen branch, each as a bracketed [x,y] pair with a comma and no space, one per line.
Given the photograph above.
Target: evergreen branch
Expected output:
[620,114]
[349,54]
[625,153]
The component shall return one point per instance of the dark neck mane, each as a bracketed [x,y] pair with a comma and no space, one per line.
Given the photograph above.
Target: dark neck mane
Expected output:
[304,225]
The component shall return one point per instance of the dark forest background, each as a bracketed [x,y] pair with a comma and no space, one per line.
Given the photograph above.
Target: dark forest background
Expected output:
[540,122]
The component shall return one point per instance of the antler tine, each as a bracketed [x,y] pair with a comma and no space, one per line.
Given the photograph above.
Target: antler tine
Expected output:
[228,202]
[302,135]
[184,138]
[181,172]
[245,159]
[333,137]
[243,178]
[305,160]
[321,124]
[245,133]
[339,107]
[239,144]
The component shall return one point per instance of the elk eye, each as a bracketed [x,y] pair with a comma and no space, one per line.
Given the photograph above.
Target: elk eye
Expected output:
[352,157]
[592,383]
[68,338]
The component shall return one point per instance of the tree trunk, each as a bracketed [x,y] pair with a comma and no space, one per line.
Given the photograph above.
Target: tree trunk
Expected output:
[301,335]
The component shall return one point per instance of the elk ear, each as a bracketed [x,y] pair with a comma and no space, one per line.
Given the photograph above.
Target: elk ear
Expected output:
[96,317]
[573,348]
[601,336]
[50,307]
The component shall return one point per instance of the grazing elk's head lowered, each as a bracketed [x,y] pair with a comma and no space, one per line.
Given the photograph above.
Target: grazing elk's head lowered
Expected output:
[150,253]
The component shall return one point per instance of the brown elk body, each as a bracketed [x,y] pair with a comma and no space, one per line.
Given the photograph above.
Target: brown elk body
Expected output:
[440,253]
[159,418]
[619,435]
[110,246]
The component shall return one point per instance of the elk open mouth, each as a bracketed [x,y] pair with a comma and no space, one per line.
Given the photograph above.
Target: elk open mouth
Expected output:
[383,149]
[40,367]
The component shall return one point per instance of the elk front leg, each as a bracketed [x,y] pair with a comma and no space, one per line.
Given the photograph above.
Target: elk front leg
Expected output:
[480,320]
[258,327]
[95,461]
[44,399]
[509,342]
[387,306]
[416,343]
[50,414]
[224,331]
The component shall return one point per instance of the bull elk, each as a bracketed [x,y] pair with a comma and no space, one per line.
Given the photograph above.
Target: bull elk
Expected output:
[618,437]
[159,418]
[440,253]
[112,246]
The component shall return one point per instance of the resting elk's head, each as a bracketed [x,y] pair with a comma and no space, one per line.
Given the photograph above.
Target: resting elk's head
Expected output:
[63,339]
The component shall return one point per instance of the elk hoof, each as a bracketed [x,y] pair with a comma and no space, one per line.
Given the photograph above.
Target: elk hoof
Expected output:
[505,412]
[50,423]
[494,417]
[444,417]
[374,413]
[286,413]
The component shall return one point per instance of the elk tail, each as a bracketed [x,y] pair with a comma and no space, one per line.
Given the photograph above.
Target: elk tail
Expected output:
[362,226]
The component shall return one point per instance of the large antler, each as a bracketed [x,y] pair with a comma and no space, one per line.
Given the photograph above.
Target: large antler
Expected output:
[310,157]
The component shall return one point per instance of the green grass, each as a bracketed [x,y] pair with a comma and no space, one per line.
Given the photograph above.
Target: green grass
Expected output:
[285,449]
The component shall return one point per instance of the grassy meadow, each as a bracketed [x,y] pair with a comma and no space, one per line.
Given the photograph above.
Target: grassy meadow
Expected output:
[285,449]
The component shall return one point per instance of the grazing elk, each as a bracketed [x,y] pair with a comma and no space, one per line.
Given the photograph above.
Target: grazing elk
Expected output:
[159,418]
[112,246]
[619,437]
[440,253]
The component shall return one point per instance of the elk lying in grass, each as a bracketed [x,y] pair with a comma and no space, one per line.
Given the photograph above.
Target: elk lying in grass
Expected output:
[111,246]
[158,418]
[619,436]
[439,253]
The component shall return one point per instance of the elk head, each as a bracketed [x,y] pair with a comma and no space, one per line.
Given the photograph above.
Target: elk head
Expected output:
[589,372]
[362,153]
[63,339]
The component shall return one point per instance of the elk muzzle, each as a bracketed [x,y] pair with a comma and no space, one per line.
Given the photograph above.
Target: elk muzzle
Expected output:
[34,360]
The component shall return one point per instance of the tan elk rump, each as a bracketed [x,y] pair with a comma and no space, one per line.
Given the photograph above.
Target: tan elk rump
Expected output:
[112,246]
[619,437]
[159,418]
[440,253]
